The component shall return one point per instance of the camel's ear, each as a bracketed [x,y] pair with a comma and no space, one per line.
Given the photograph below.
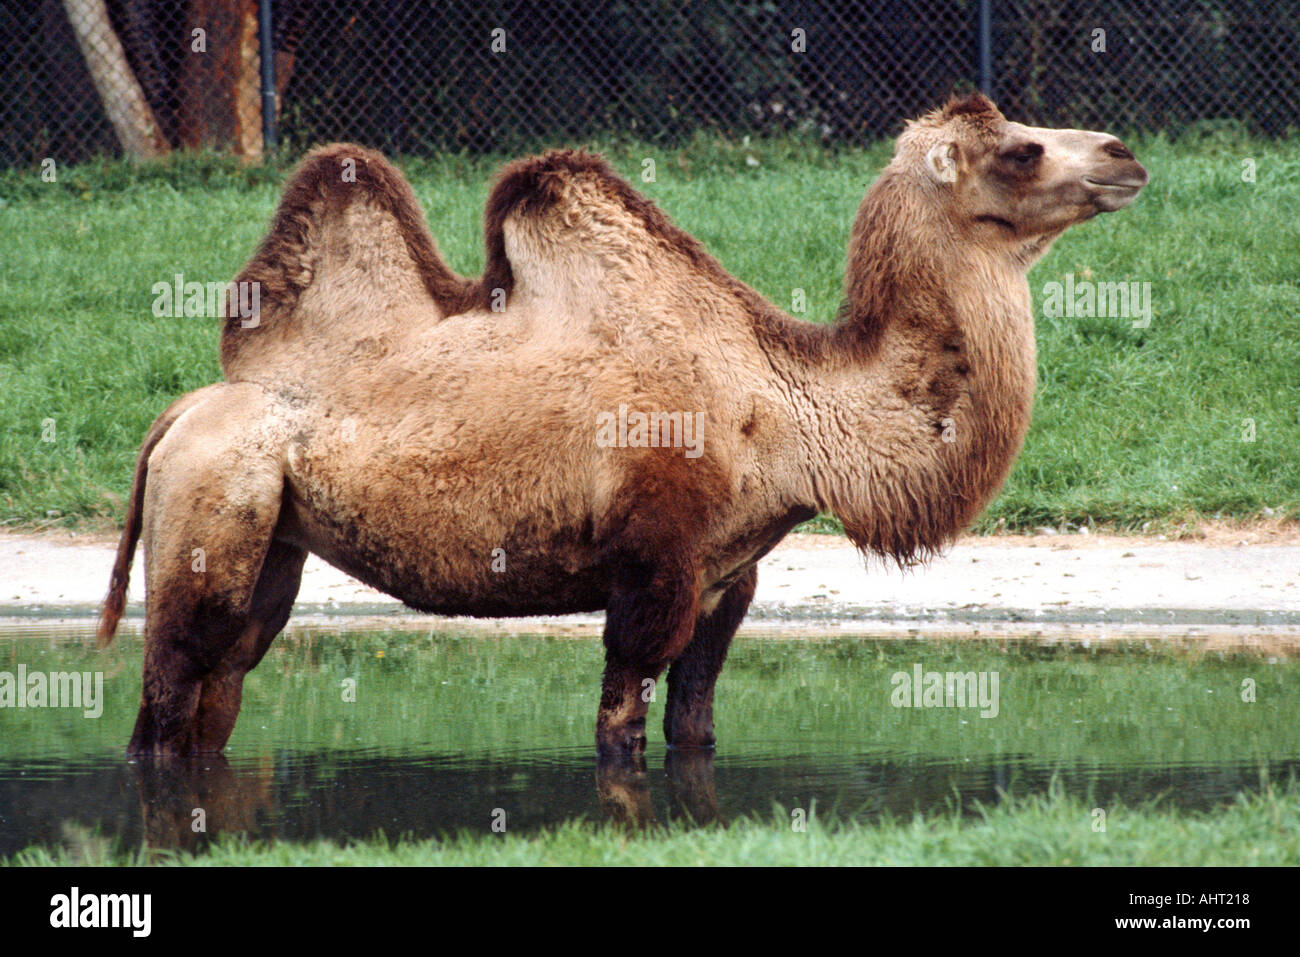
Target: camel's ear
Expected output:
[941,162]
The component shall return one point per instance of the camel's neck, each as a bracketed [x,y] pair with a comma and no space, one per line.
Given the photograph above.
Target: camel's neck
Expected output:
[924,389]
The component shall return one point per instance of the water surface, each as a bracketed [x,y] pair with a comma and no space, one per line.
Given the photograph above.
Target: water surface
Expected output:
[354,734]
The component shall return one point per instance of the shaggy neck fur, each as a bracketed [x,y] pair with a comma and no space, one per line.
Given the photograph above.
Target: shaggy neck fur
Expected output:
[922,392]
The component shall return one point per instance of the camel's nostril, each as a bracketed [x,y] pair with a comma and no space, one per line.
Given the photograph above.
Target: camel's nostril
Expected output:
[1118,150]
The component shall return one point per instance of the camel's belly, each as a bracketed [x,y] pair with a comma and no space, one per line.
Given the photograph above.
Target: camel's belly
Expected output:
[487,518]
[437,564]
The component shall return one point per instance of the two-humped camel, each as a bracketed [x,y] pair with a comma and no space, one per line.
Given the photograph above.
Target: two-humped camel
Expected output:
[439,438]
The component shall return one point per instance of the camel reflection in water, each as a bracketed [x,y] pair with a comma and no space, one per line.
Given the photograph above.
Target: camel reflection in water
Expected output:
[301,796]
[186,802]
[624,788]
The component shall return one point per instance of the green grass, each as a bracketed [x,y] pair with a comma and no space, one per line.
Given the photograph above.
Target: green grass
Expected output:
[1133,704]
[1131,425]
[1058,830]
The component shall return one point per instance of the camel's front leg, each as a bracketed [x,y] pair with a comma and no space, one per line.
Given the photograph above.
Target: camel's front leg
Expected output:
[688,715]
[647,624]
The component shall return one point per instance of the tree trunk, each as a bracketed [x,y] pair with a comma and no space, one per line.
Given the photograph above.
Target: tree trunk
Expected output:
[124,102]
[220,101]
[248,85]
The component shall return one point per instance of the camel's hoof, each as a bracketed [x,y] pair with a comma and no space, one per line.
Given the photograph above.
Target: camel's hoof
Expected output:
[684,734]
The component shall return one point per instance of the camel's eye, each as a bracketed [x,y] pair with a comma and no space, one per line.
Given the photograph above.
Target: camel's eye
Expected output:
[1023,156]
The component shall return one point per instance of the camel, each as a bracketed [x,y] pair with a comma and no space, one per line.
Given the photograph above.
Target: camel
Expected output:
[515,444]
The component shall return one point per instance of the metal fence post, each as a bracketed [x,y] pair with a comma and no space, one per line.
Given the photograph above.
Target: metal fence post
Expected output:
[268,75]
[986,47]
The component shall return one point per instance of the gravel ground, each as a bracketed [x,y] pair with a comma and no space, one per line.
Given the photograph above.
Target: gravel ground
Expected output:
[1228,583]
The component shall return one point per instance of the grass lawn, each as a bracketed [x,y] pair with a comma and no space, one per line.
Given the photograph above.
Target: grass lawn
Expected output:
[1056,830]
[1197,415]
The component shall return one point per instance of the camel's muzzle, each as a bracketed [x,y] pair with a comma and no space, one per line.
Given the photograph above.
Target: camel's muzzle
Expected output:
[1117,179]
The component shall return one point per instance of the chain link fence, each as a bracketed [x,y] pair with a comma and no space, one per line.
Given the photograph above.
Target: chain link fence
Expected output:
[89,77]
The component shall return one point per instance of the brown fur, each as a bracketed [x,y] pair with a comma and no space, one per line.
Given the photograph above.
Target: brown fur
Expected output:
[411,426]
[115,604]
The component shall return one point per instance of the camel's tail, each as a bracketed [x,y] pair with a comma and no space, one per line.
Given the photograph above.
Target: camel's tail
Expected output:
[115,603]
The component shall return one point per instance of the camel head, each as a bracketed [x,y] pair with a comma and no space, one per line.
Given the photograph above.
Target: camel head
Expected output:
[1004,184]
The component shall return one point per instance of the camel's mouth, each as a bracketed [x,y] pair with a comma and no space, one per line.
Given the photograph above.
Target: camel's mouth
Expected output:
[1131,184]
[1113,194]
[998,221]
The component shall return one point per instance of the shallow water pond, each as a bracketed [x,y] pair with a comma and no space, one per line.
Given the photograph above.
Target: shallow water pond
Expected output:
[349,734]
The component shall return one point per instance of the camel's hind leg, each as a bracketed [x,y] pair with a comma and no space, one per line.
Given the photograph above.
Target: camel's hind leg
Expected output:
[223,688]
[213,600]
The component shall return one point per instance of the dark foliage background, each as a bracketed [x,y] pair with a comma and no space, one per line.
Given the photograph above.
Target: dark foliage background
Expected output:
[415,77]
